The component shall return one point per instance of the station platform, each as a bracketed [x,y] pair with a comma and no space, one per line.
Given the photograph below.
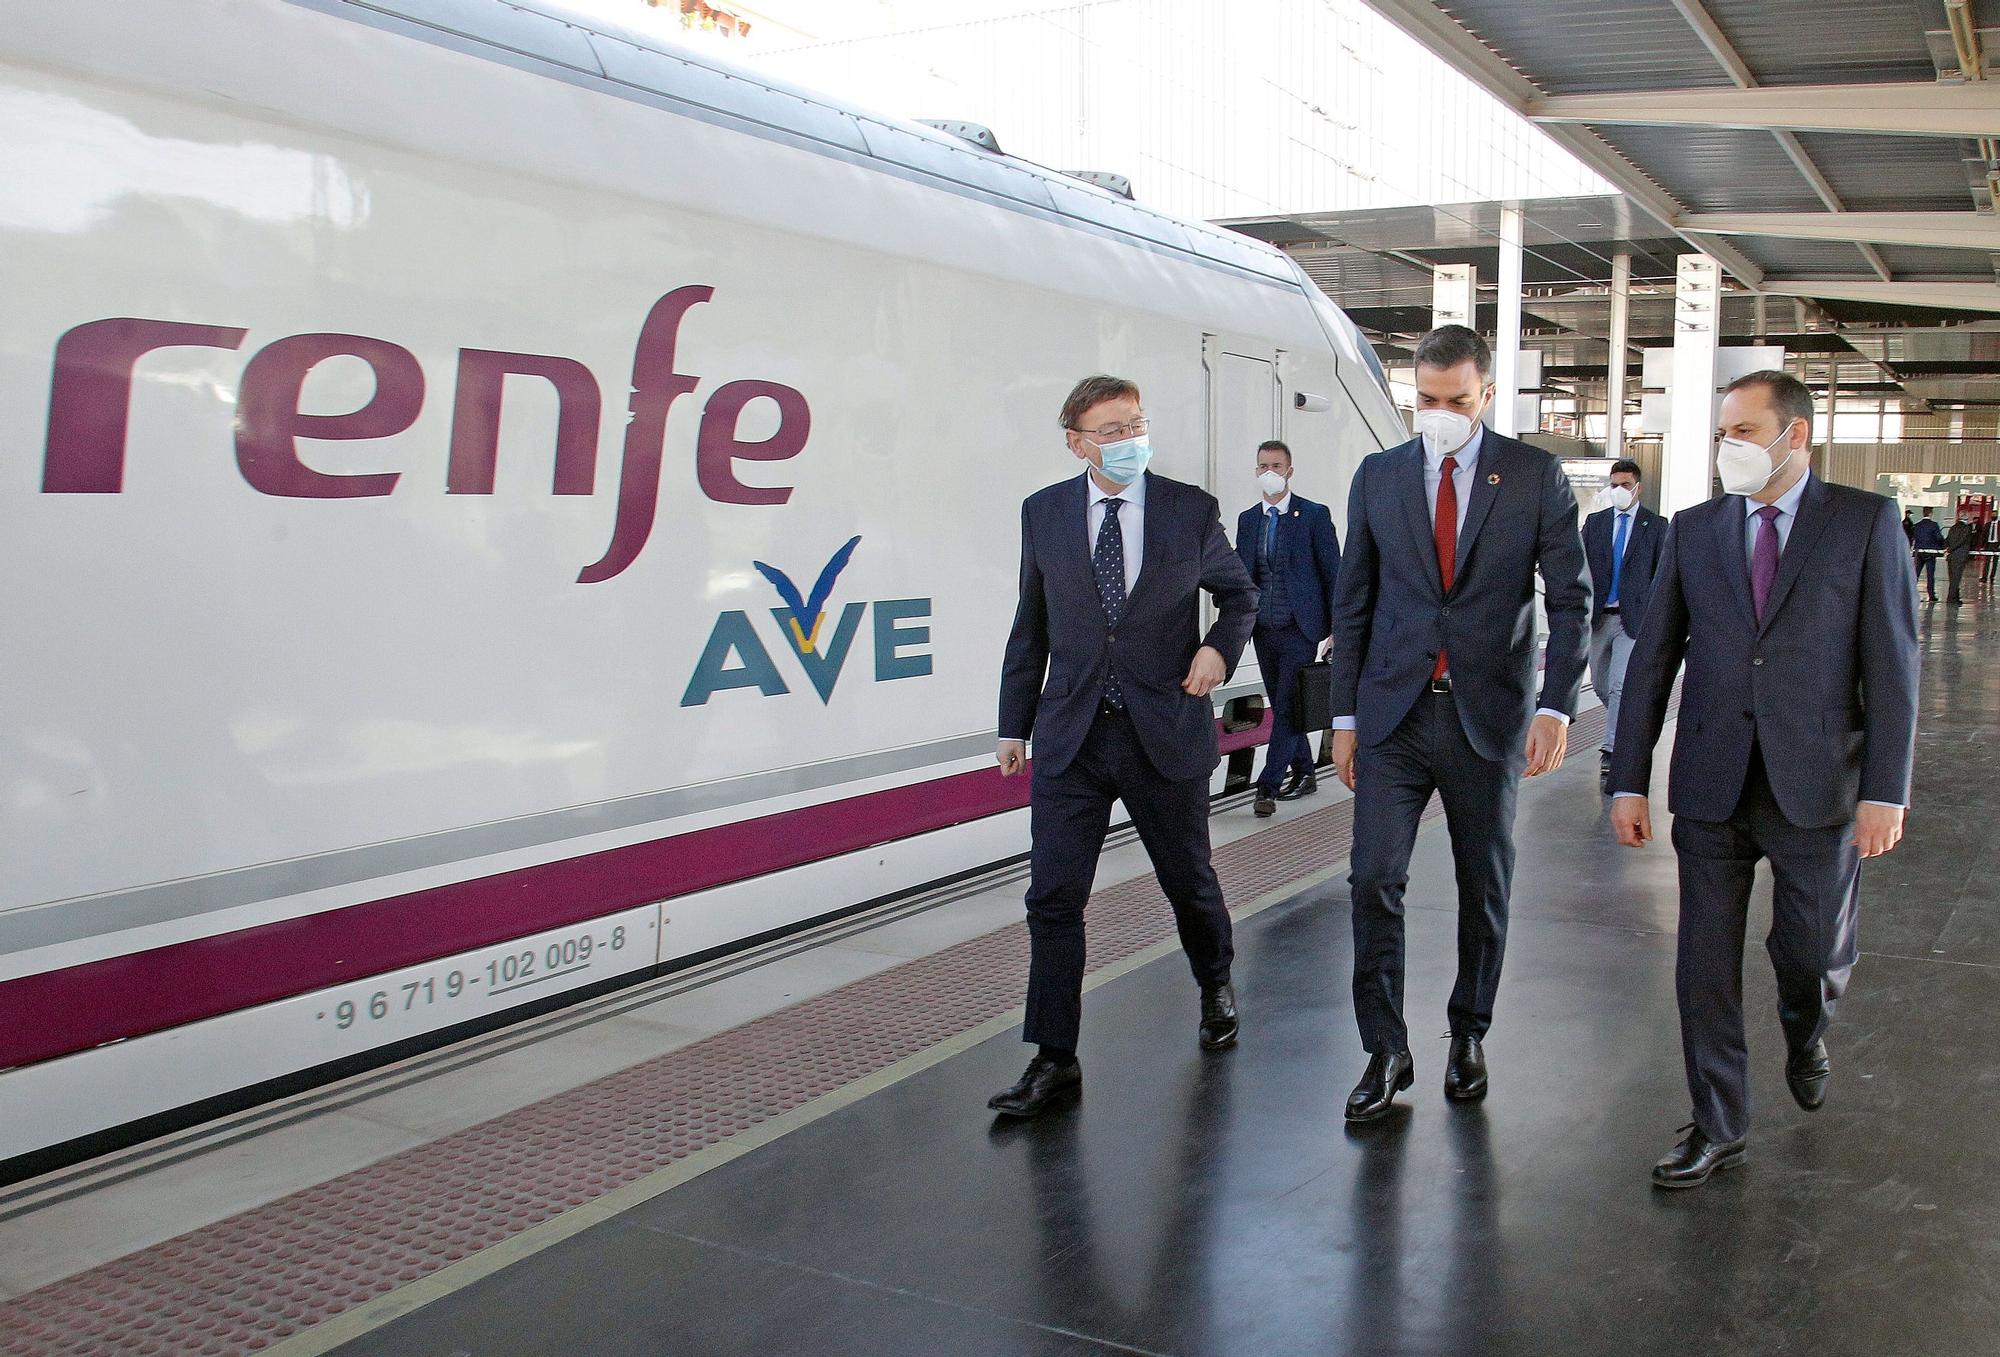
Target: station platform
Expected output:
[791,1152]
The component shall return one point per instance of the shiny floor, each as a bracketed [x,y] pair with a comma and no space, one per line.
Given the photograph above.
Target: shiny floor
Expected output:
[1217,1203]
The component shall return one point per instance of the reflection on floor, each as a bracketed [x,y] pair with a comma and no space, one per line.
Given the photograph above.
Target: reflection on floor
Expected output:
[1217,1204]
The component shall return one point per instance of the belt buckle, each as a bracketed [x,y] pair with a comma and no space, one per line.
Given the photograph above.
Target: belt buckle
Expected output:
[1441,685]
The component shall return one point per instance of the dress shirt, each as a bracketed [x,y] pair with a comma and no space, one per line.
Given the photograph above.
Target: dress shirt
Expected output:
[1131,522]
[1461,481]
[1787,505]
[1621,543]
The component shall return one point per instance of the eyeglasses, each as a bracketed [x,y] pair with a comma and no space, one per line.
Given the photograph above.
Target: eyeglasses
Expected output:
[1117,431]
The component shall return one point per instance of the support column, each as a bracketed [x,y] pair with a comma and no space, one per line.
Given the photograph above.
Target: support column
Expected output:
[1455,296]
[1507,351]
[1832,406]
[1687,462]
[1621,324]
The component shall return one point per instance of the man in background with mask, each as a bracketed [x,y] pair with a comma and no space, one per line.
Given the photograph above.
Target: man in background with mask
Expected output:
[1293,555]
[1990,544]
[1622,541]
[1434,688]
[1791,601]
[1109,673]
[1957,554]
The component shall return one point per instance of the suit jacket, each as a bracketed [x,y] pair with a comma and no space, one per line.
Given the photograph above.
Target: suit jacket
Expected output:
[1930,537]
[1053,677]
[1827,686]
[1643,540]
[1959,540]
[1308,557]
[1391,613]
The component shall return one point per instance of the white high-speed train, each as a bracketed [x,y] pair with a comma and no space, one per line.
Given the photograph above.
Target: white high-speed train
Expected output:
[491,508]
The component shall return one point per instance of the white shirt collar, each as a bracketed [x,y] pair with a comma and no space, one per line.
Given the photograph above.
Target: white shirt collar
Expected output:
[1135,493]
[1468,456]
[1787,503]
[1283,506]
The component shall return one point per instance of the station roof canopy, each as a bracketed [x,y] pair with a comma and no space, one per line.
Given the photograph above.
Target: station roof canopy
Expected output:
[1845,151]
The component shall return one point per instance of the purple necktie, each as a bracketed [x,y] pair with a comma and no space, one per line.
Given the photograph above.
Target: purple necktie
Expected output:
[1764,559]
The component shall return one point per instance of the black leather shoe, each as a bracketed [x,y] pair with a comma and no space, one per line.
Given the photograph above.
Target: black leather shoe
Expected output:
[1805,1075]
[1264,805]
[1389,1073]
[1044,1083]
[1604,771]
[1465,1070]
[1218,1017]
[1298,785]
[1695,1158]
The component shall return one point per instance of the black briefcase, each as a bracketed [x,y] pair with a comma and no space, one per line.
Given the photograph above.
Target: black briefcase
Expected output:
[1312,697]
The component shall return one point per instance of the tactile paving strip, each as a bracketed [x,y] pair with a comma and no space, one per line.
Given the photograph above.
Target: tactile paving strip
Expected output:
[248,1282]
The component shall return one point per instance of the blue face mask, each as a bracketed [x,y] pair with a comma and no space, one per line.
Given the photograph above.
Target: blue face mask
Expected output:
[1125,461]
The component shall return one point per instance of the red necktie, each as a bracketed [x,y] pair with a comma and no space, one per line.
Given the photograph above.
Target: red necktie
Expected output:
[1444,531]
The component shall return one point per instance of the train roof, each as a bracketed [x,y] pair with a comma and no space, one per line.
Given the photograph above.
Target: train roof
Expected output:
[633,64]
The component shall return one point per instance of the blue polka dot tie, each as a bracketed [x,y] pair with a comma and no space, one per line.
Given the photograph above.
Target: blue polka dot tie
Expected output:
[1108,565]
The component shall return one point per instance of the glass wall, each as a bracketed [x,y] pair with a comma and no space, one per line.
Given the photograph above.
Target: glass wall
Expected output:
[1213,108]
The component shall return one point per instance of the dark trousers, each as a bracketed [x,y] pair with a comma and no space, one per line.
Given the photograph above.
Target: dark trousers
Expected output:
[1988,565]
[1069,813]
[1281,652]
[1954,567]
[1927,571]
[1813,942]
[1393,783]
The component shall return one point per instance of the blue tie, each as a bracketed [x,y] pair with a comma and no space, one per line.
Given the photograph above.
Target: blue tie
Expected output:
[1617,559]
[1270,534]
[1108,565]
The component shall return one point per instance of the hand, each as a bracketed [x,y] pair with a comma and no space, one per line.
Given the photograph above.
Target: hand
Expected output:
[1877,829]
[1343,756]
[1013,757]
[1632,819]
[1205,673]
[1548,738]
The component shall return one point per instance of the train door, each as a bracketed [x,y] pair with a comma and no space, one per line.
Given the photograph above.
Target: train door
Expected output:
[1245,407]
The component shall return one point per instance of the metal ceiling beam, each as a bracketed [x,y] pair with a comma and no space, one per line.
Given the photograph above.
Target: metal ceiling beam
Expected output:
[1916,109]
[1724,51]
[1943,296]
[1948,230]
[1446,37]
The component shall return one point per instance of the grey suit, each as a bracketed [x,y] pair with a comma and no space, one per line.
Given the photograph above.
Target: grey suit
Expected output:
[1391,615]
[1786,723]
[1614,626]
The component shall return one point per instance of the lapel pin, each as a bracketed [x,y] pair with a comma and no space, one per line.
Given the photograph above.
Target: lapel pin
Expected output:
[1494,479]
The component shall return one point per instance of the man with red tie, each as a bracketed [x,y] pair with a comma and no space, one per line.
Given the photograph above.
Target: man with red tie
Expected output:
[1433,669]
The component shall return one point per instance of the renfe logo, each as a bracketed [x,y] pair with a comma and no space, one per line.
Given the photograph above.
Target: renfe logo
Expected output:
[803,622]
[90,399]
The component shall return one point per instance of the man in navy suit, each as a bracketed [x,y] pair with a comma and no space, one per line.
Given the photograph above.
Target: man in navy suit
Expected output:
[1433,667]
[1928,544]
[1793,604]
[1622,542]
[1108,670]
[1293,554]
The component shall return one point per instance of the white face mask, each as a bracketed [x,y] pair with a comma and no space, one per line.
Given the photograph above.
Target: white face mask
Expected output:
[1616,497]
[1443,431]
[1746,468]
[1272,483]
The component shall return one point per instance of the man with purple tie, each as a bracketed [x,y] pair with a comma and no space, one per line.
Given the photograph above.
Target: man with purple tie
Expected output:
[1792,602]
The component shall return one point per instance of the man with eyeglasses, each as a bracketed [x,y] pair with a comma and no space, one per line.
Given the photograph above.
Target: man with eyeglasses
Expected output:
[1108,671]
